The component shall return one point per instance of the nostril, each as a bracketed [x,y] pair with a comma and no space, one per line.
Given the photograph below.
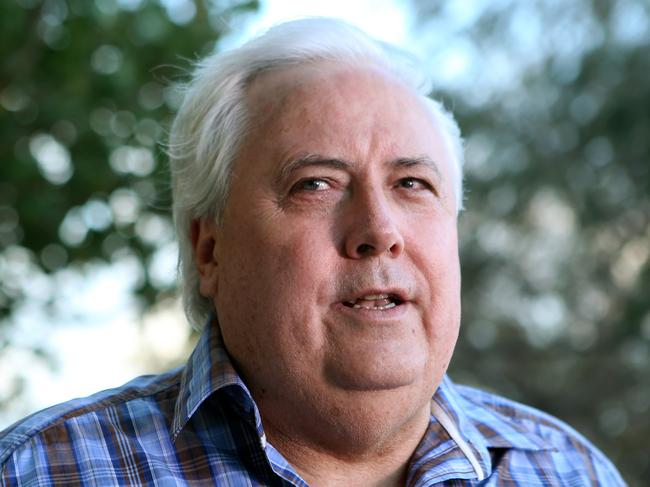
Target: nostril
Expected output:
[365,248]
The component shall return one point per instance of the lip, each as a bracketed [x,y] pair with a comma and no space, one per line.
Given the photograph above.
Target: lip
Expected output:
[397,293]
[375,315]
[392,315]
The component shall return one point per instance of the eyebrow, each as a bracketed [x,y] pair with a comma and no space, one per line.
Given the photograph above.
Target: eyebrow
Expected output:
[307,159]
[310,160]
[418,161]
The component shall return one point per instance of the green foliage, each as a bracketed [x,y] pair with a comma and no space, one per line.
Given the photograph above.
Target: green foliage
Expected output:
[86,96]
[85,102]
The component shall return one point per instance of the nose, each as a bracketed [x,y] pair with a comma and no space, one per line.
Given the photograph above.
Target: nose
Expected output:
[372,227]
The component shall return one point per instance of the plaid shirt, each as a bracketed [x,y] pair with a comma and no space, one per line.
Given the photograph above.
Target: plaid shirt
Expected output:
[198,425]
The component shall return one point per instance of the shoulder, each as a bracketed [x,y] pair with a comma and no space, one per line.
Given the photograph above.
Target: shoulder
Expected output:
[144,399]
[536,435]
[511,418]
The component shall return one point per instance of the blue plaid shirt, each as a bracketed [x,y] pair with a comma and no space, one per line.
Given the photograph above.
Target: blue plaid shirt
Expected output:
[198,425]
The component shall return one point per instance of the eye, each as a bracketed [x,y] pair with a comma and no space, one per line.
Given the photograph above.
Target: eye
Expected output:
[311,184]
[413,183]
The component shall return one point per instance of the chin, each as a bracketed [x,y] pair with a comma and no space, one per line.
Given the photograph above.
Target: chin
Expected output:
[373,377]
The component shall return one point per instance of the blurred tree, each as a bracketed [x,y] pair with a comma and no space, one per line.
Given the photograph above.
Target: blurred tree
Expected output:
[85,99]
[554,101]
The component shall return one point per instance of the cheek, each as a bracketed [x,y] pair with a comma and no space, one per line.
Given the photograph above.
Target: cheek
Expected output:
[435,250]
[435,255]
[301,271]
[270,278]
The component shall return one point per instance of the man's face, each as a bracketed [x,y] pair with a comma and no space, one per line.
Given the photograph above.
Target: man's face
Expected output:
[335,265]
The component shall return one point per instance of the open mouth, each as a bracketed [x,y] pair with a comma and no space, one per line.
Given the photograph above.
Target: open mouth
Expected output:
[377,302]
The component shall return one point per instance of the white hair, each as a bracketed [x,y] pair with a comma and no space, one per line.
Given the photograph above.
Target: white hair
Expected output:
[212,120]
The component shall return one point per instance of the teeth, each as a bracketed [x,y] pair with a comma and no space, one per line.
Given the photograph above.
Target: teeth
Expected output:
[374,297]
[370,297]
[377,302]
[386,306]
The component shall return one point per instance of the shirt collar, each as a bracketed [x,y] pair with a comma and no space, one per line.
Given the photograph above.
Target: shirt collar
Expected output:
[209,369]
[485,419]
[462,431]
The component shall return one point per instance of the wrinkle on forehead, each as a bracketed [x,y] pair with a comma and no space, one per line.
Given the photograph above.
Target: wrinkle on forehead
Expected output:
[330,81]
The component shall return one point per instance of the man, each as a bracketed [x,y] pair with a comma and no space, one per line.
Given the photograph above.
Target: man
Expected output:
[316,192]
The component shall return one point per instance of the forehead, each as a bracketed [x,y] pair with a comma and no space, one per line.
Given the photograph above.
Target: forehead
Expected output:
[328,93]
[359,113]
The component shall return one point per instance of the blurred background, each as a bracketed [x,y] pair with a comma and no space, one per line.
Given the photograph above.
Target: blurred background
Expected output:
[553,98]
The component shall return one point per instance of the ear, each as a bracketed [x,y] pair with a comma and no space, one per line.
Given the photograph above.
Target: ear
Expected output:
[203,235]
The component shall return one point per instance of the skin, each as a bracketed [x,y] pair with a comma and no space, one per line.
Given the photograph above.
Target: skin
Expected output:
[342,189]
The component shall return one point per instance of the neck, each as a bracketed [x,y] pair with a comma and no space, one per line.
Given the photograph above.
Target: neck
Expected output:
[354,449]
[323,469]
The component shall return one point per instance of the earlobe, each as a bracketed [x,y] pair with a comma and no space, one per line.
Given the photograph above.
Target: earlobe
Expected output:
[203,235]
